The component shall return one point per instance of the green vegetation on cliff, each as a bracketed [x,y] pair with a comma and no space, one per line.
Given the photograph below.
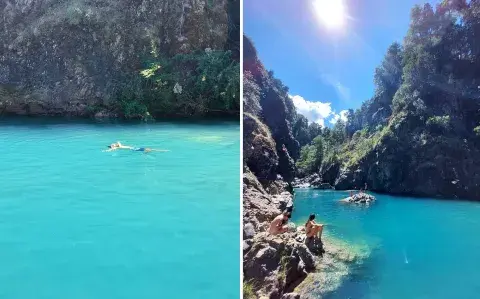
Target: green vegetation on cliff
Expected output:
[194,84]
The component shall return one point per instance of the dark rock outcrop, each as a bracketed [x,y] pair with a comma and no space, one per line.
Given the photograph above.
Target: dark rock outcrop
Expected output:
[259,149]
[277,263]
[416,163]
[329,172]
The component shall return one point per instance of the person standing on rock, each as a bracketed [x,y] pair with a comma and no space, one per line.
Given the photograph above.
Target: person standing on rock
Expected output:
[313,229]
[277,226]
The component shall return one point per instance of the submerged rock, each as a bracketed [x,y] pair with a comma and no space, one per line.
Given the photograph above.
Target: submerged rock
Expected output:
[334,266]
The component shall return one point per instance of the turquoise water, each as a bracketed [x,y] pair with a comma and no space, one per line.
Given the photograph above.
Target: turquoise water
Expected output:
[418,248]
[76,222]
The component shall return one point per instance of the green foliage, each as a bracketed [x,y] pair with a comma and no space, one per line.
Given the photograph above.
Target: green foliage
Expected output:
[248,291]
[363,143]
[193,84]
[131,106]
[388,76]
[311,156]
[440,122]
[282,273]
[477,131]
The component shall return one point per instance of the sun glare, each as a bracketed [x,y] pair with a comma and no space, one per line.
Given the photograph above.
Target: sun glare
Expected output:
[330,12]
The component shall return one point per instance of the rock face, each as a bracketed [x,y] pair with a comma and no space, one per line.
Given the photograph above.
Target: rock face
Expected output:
[259,148]
[267,99]
[277,263]
[58,57]
[414,163]
[360,198]
[273,265]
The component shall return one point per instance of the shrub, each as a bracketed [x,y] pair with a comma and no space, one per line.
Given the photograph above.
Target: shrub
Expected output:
[194,84]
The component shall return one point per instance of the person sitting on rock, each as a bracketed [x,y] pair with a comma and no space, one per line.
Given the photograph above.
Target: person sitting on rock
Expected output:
[313,229]
[278,224]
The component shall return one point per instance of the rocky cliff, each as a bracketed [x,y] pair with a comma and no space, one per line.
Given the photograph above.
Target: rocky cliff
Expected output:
[63,57]
[266,99]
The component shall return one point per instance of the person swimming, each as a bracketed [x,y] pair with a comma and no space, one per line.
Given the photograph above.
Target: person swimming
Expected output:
[117,145]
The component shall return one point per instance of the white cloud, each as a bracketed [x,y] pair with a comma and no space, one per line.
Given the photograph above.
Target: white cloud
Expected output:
[343,92]
[313,111]
[343,115]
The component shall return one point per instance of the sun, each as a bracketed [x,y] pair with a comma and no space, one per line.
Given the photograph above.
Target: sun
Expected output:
[330,12]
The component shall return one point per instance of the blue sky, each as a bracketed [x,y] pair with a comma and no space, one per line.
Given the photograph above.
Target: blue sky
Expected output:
[326,70]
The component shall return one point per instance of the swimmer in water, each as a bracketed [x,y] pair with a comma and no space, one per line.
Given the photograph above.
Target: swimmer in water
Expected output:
[117,145]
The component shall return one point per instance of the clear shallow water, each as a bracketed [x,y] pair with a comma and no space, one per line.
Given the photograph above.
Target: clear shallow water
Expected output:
[76,222]
[418,248]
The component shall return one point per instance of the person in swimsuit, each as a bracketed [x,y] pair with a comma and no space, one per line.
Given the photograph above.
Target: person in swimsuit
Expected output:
[118,145]
[278,224]
[313,229]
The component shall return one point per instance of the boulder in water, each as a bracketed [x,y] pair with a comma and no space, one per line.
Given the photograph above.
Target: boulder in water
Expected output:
[360,198]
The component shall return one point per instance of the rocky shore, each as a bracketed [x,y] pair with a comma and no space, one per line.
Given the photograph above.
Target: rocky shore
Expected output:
[289,265]
[273,265]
